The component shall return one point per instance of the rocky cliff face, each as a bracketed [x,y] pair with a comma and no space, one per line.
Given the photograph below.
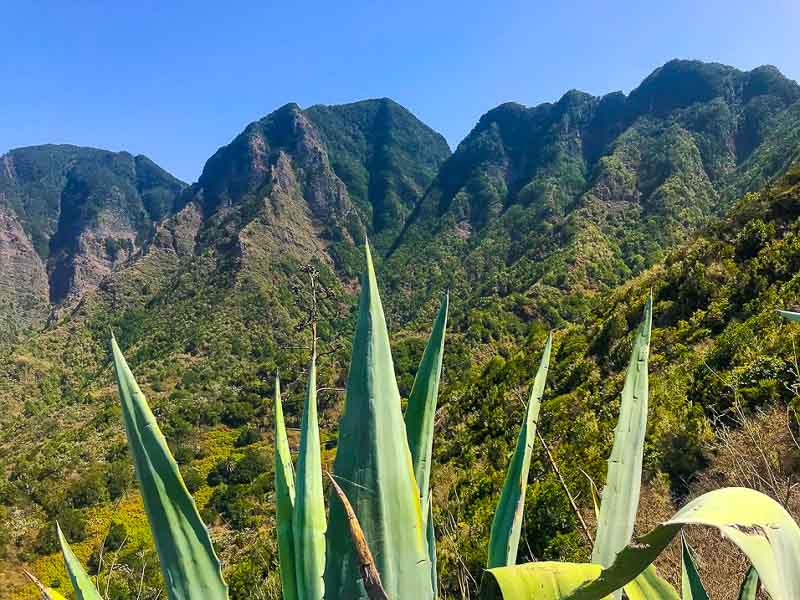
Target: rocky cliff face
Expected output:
[308,184]
[292,186]
[69,216]
[24,293]
[275,175]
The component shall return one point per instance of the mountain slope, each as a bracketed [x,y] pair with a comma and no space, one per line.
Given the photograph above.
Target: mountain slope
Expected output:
[385,157]
[534,218]
[69,215]
[578,195]
[209,307]
[720,357]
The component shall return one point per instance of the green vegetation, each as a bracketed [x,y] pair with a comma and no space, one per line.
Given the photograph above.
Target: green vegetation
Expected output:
[560,217]
[374,462]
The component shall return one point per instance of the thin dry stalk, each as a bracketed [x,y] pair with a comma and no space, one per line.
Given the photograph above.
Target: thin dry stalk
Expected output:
[369,572]
[574,506]
[38,584]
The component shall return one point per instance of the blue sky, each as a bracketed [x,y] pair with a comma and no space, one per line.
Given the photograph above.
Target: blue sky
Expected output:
[176,80]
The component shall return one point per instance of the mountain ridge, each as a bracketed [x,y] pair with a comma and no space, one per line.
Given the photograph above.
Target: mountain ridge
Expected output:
[70,214]
[598,171]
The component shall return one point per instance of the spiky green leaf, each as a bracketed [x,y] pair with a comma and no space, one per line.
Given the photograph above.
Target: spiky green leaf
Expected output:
[81,583]
[749,589]
[620,499]
[373,466]
[308,521]
[690,579]
[507,522]
[648,585]
[284,501]
[421,409]
[419,420]
[758,525]
[188,562]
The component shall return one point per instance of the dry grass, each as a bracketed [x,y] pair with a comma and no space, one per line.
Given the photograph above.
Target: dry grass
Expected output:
[758,451]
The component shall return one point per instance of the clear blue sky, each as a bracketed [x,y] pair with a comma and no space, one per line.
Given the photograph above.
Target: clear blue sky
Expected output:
[176,82]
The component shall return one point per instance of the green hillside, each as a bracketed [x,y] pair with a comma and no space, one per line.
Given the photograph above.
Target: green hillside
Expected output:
[558,216]
[578,195]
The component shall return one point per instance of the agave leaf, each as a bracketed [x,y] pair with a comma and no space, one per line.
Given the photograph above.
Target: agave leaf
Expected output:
[284,501]
[648,585]
[369,574]
[758,525]
[789,315]
[421,408]
[692,585]
[308,521]
[419,420]
[539,580]
[373,465]
[620,500]
[749,589]
[431,537]
[81,583]
[507,522]
[553,580]
[188,562]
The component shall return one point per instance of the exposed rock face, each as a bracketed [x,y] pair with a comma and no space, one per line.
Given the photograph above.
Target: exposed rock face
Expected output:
[24,298]
[299,182]
[75,213]
[273,183]
[291,185]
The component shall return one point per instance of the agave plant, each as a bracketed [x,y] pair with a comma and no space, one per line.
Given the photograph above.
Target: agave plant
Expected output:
[379,540]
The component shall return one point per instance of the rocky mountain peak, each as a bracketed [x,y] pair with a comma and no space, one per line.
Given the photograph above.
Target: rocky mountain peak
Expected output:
[82,211]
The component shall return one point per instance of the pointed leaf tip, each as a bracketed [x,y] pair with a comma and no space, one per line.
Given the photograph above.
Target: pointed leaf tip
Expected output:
[284,501]
[419,420]
[373,463]
[421,409]
[189,564]
[789,315]
[507,522]
[620,499]
[308,519]
[81,583]
[692,585]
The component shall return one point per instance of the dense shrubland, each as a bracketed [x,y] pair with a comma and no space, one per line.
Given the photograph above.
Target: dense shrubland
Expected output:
[718,348]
